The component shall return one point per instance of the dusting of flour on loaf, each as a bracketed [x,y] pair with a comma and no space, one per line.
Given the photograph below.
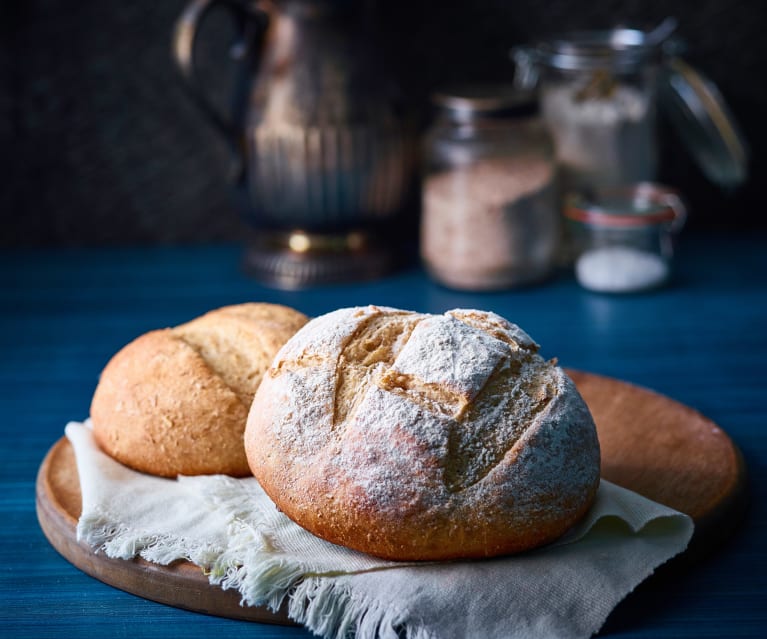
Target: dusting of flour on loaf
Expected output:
[374,422]
[445,361]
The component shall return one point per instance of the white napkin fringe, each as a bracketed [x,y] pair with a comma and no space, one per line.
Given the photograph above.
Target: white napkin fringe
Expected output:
[322,605]
[230,529]
[330,609]
[99,531]
[253,566]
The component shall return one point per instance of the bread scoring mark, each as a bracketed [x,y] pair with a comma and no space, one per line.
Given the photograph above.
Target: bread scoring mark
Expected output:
[370,348]
[499,416]
[304,361]
[238,370]
[513,396]
[496,326]
[445,363]
[435,397]
[237,343]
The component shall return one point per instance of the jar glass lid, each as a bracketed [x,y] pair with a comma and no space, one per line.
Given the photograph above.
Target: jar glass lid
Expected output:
[704,122]
[467,101]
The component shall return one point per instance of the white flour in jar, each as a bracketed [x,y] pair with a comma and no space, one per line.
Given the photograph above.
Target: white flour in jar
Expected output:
[491,224]
[619,269]
[601,141]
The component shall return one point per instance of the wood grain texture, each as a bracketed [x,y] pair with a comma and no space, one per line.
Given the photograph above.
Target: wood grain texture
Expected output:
[650,444]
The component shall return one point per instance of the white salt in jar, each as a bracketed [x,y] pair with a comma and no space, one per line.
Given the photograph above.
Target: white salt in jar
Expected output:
[490,215]
[623,237]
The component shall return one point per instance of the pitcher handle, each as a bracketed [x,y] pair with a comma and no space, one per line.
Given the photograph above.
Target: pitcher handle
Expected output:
[247,18]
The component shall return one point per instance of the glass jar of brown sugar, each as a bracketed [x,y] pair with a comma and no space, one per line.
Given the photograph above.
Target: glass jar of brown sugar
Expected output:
[490,217]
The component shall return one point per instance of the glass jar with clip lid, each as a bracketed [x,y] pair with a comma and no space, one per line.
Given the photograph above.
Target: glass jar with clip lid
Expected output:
[623,237]
[600,92]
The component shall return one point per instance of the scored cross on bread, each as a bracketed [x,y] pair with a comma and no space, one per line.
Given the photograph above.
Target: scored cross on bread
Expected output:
[414,436]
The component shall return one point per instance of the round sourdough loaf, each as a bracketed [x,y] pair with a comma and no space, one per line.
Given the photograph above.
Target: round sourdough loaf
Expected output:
[175,401]
[422,437]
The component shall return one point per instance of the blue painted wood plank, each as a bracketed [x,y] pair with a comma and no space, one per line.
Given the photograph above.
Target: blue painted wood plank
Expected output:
[63,313]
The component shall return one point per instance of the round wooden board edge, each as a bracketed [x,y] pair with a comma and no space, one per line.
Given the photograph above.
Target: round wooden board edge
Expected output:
[721,519]
[181,584]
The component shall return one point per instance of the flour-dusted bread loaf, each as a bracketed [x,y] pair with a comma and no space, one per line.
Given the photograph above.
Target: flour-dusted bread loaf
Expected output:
[422,437]
[175,401]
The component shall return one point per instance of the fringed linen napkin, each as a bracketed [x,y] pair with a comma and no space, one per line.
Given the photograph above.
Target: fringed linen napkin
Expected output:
[232,530]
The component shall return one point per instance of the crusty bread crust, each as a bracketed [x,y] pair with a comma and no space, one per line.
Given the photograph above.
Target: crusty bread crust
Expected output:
[175,401]
[422,437]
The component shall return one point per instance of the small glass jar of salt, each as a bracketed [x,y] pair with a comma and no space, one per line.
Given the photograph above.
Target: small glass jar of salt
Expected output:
[623,237]
[490,217]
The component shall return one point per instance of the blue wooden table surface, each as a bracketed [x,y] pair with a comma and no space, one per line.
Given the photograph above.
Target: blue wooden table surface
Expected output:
[702,341]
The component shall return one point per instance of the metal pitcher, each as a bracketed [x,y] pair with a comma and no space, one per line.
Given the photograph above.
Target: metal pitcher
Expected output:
[325,159]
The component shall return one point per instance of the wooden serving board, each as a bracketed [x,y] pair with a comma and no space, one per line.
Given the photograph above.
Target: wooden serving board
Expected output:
[650,444]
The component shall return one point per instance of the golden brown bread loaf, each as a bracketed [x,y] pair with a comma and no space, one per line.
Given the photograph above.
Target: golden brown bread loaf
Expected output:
[422,437]
[175,401]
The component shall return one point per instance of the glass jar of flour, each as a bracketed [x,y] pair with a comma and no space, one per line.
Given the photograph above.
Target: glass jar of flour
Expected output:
[490,215]
[600,91]
[623,237]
